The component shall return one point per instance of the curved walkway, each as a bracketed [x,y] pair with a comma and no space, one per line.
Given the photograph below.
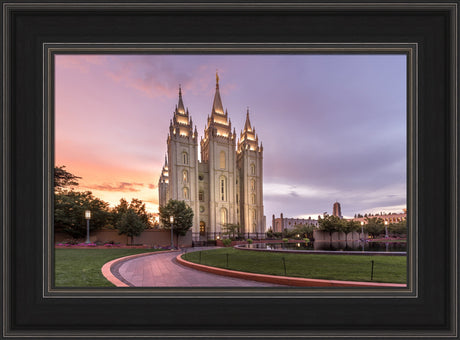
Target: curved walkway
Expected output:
[162,270]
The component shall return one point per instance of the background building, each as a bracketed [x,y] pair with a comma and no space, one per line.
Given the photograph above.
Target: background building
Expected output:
[281,223]
[386,217]
[224,186]
[337,210]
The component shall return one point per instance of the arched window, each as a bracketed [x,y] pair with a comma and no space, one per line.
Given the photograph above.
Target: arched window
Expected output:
[202,228]
[253,213]
[185,157]
[223,188]
[185,193]
[201,195]
[253,184]
[253,169]
[223,216]
[185,176]
[253,199]
[222,160]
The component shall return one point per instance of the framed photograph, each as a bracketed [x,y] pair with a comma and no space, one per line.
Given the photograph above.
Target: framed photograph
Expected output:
[79,81]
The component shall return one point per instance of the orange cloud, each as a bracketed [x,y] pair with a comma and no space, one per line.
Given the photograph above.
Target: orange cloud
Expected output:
[121,187]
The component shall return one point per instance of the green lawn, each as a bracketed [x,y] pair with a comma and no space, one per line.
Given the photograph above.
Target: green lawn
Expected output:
[391,269]
[82,267]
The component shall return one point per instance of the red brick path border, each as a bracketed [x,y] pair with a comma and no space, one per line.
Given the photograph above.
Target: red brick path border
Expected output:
[284,280]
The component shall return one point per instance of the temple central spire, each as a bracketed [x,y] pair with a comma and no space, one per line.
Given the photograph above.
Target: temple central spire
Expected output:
[247,125]
[217,106]
[180,105]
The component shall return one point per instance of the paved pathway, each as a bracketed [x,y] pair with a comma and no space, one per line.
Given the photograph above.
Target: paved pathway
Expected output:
[162,270]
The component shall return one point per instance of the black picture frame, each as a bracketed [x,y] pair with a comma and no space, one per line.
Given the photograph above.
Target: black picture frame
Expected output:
[32,309]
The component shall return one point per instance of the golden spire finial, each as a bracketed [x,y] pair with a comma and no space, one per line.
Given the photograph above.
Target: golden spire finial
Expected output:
[217,78]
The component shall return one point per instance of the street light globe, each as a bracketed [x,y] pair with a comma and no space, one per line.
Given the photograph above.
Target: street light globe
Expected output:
[362,223]
[171,219]
[87,214]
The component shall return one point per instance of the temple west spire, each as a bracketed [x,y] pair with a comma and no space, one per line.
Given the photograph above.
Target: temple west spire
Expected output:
[181,123]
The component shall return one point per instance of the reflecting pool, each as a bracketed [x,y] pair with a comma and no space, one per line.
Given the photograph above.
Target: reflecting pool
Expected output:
[339,246]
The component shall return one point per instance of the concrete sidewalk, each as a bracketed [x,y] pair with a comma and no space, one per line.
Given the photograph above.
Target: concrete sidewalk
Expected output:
[162,270]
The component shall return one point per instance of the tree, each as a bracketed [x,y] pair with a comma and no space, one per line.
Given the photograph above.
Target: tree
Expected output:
[139,208]
[232,229]
[399,228]
[69,212]
[374,226]
[136,205]
[350,226]
[331,223]
[305,230]
[64,179]
[183,216]
[131,224]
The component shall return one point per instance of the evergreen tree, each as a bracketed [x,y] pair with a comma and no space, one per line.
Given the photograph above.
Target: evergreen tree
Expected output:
[64,179]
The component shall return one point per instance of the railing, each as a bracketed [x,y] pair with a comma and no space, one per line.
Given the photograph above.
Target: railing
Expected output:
[199,236]
[358,269]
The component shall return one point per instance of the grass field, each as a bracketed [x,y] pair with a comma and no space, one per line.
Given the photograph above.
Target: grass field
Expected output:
[391,269]
[82,267]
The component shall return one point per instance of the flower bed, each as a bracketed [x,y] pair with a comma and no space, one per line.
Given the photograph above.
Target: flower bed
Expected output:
[388,239]
[95,246]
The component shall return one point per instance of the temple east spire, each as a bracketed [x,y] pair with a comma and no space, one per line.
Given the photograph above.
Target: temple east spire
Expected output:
[248,139]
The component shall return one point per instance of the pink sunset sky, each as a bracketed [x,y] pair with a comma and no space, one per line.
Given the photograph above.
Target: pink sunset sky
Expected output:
[333,127]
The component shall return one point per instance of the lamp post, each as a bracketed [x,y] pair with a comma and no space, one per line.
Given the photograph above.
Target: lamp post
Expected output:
[362,229]
[386,229]
[88,217]
[171,220]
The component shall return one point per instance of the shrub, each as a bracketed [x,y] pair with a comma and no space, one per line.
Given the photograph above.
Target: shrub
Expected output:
[226,242]
[250,241]
[306,239]
[285,240]
[277,235]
